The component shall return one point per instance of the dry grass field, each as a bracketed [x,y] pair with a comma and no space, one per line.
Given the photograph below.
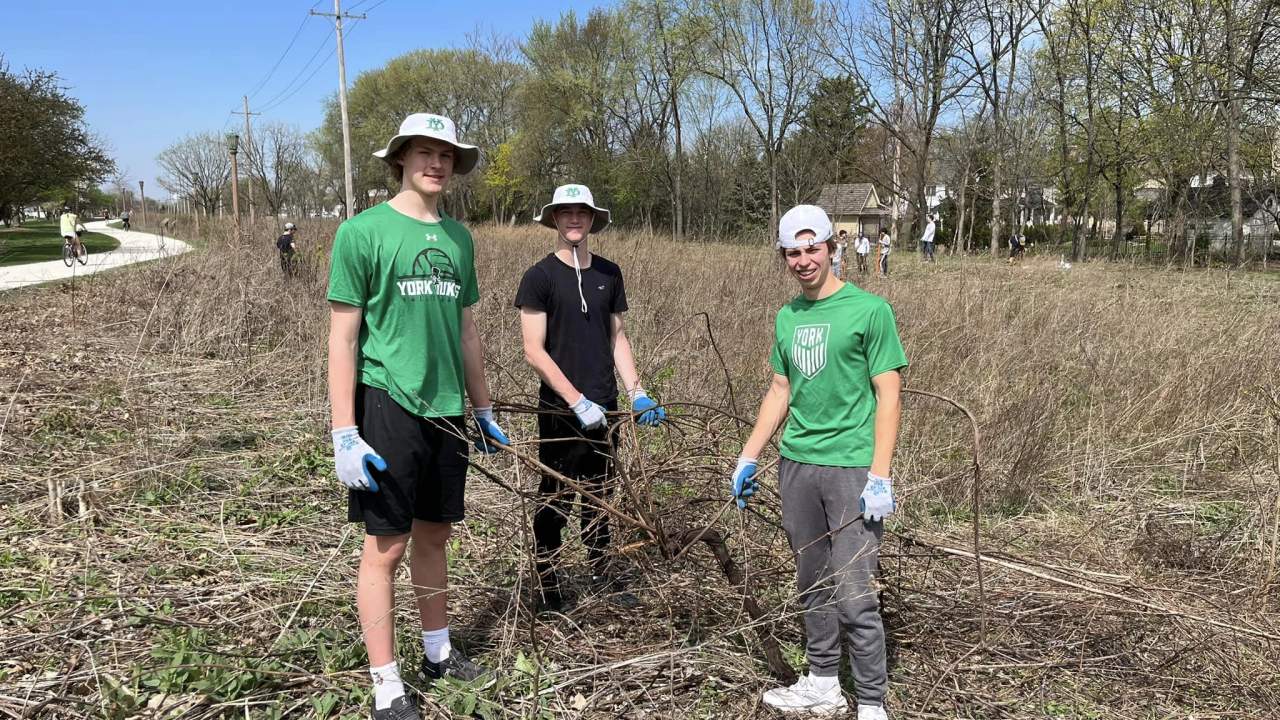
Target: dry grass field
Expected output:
[173,544]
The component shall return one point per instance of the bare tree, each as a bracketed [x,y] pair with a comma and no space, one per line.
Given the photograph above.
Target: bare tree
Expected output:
[914,47]
[766,53]
[198,167]
[672,39]
[1004,25]
[277,161]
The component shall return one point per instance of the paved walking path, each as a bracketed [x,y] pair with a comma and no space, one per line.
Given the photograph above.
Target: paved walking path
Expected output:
[134,247]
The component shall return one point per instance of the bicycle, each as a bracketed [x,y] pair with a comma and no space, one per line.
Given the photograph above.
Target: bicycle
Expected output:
[71,254]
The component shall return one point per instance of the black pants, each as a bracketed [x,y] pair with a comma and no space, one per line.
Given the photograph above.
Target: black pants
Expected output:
[586,457]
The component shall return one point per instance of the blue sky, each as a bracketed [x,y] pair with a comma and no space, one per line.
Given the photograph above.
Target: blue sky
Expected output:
[149,72]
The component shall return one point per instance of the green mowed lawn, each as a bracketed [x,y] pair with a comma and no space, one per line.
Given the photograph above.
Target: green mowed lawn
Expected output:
[39,241]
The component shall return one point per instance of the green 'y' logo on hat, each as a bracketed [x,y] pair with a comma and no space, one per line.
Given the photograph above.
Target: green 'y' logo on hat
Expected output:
[572,191]
[435,123]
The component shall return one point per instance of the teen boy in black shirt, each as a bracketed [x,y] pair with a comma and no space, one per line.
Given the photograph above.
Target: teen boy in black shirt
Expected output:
[287,248]
[571,304]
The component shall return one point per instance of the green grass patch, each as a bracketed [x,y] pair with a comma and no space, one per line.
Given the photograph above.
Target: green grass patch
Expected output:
[39,241]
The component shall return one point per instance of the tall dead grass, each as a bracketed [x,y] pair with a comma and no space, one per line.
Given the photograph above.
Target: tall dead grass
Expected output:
[1131,462]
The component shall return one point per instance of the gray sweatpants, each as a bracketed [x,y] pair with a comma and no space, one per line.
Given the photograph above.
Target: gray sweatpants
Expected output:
[835,565]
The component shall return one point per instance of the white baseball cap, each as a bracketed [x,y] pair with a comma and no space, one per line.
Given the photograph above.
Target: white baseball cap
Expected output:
[800,218]
[290,226]
[437,127]
[573,195]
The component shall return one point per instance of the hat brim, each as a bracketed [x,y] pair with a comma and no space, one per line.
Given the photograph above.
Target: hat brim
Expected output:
[599,221]
[465,162]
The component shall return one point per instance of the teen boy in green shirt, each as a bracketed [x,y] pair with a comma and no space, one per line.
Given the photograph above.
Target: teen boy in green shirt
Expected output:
[403,346]
[836,357]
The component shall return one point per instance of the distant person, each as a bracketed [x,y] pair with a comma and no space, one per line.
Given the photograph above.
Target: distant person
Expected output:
[288,249]
[886,246]
[1017,247]
[124,219]
[926,240]
[837,260]
[862,247]
[70,226]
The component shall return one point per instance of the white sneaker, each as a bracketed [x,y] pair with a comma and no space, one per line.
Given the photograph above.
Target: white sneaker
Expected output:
[805,697]
[872,712]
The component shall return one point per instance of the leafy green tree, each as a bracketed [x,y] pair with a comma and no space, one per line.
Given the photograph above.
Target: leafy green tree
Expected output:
[456,83]
[47,149]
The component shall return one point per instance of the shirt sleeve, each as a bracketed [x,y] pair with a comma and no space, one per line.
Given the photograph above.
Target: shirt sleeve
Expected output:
[349,268]
[533,291]
[880,342]
[778,357]
[618,303]
[471,288]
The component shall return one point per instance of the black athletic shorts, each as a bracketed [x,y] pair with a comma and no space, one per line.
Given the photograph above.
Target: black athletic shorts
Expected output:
[426,473]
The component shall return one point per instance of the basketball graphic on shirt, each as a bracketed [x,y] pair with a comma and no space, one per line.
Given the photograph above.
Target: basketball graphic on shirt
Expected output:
[809,349]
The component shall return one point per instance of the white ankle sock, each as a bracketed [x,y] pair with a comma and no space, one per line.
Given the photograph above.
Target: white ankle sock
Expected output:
[387,685]
[435,643]
[824,683]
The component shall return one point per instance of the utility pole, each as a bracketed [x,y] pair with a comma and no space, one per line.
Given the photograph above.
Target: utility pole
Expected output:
[143,192]
[233,145]
[337,15]
[248,148]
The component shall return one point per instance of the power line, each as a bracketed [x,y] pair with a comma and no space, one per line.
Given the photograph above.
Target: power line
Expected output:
[299,88]
[307,66]
[257,88]
[317,69]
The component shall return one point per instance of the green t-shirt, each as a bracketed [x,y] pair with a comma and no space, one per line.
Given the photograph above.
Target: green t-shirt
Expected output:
[412,279]
[829,350]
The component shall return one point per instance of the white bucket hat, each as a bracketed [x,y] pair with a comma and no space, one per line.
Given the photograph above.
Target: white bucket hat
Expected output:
[800,218]
[437,127]
[573,195]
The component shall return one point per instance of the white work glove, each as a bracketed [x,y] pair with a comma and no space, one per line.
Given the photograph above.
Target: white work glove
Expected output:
[876,501]
[589,414]
[352,457]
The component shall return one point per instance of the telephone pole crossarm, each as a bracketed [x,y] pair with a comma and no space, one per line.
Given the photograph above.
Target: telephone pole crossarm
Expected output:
[348,184]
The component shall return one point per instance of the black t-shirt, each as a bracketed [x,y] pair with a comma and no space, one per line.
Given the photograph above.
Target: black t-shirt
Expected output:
[580,343]
[285,244]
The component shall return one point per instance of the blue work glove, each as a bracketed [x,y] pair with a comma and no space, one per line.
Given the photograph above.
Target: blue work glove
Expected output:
[651,413]
[744,481]
[352,458]
[488,430]
[590,414]
[876,501]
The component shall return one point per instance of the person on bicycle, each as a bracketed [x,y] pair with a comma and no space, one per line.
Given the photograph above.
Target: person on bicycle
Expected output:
[124,219]
[71,228]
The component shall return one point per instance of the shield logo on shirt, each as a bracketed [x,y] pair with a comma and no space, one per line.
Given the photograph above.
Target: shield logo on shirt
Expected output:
[809,349]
